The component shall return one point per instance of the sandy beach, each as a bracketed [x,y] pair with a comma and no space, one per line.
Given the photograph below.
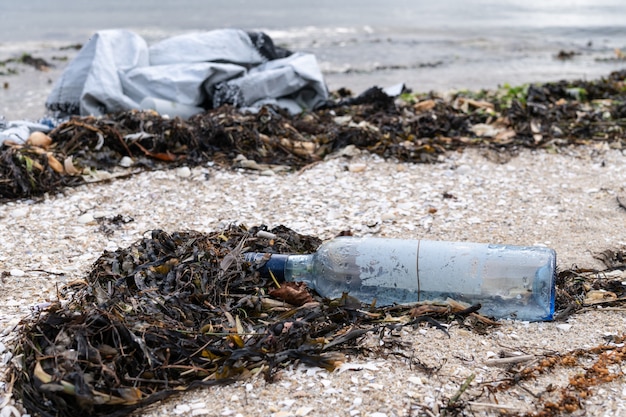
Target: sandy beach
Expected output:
[566,200]
[525,201]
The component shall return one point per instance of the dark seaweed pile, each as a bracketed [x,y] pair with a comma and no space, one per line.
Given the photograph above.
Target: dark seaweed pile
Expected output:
[173,312]
[416,128]
[178,311]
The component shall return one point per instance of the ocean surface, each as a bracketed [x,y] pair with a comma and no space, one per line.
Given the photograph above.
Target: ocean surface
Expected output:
[428,45]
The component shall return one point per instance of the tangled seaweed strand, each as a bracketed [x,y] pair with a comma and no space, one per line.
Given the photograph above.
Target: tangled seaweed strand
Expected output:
[25,171]
[155,318]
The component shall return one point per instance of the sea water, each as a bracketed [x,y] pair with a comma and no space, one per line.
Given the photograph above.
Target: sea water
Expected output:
[441,45]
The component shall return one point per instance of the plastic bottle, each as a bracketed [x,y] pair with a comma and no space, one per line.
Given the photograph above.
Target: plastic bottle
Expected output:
[508,281]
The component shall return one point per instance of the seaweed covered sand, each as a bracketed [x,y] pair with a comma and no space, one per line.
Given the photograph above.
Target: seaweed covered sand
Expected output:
[567,197]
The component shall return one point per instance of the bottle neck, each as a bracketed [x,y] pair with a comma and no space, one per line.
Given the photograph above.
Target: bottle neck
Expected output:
[275,264]
[299,268]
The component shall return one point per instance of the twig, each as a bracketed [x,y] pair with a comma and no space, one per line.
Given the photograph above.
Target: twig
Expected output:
[45,271]
[607,302]
[274,279]
[590,308]
[510,360]
[461,390]
[490,405]
[430,413]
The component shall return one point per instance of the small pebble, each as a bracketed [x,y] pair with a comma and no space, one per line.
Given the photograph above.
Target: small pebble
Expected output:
[357,167]
[20,212]
[464,170]
[183,172]
[416,380]
[182,409]
[17,273]
[287,403]
[85,218]
[126,162]
[303,411]
[197,406]
[387,216]
[249,164]
[564,327]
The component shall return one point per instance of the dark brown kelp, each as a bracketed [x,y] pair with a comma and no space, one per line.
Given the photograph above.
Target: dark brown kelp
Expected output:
[177,311]
[414,128]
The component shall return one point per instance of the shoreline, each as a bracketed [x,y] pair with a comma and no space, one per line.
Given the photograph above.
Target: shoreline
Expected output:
[23,95]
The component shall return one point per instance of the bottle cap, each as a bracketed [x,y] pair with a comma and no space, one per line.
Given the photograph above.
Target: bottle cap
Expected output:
[275,264]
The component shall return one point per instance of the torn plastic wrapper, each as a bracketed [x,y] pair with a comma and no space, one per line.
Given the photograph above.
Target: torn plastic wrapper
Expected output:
[117,71]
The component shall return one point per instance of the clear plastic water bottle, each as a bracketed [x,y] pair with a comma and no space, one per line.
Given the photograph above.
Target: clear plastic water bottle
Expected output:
[515,282]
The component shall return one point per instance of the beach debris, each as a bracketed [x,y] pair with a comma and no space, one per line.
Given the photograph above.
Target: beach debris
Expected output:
[599,297]
[584,288]
[110,224]
[412,128]
[39,64]
[601,366]
[39,139]
[564,55]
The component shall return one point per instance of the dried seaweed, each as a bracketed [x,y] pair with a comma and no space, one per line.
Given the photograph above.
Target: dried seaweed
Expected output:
[181,310]
[176,311]
[584,288]
[415,128]
[39,64]
[557,401]
[25,171]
